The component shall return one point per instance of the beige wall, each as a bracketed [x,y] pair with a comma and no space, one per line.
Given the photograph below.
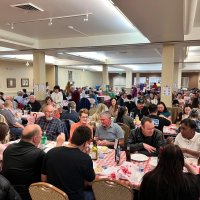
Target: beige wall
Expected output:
[80,77]
[17,70]
[193,79]
[50,75]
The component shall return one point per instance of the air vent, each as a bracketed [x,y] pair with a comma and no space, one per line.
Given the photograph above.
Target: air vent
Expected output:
[27,7]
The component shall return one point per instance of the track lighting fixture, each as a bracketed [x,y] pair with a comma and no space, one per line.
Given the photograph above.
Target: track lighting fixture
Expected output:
[50,23]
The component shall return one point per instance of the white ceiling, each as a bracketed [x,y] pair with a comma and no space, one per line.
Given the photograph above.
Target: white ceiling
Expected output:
[106,32]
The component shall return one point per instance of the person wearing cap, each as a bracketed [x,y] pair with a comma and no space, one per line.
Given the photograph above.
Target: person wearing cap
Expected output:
[140,110]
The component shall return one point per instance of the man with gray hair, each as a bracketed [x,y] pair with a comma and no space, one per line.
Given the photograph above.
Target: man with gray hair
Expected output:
[15,127]
[34,104]
[107,132]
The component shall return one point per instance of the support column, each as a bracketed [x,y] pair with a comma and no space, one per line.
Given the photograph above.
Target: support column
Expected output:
[199,81]
[129,81]
[39,74]
[180,67]
[177,76]
[105,77]
[137,79]
[167,74]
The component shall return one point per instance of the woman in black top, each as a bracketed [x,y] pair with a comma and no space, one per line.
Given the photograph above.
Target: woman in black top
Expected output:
[168,181]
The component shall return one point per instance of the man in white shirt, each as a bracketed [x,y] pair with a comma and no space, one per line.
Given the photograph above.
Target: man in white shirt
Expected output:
[188,140]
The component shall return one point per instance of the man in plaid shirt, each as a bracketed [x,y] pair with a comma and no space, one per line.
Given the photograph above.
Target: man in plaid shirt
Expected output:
[52,126]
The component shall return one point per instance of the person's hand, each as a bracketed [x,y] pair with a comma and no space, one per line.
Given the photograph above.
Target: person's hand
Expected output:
[60,139]
[86,149]
[170,140]
[149,148]
[162,116]
[103,143]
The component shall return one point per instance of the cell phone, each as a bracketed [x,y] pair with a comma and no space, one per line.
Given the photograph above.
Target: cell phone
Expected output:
[132,115]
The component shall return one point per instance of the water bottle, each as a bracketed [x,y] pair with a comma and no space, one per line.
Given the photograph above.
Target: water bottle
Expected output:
[44,140]
[141,168]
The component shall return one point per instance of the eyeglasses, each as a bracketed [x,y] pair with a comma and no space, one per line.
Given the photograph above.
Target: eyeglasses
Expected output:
[84,117]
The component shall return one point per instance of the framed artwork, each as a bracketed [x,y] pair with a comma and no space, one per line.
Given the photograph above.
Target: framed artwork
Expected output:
[11,82]
[70,76]
[24,82]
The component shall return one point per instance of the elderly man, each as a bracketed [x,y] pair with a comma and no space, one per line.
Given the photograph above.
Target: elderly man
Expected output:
[22,161]
[15,127]
[146,139]
[51,125]
[34,104]
[69,167]
[188,140]
[140,110]
[107,132]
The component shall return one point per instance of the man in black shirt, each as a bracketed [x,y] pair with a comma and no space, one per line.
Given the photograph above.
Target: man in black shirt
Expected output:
[146,139]
[34,104]
[69,167]
[140,110]
[159,122]
[22,161]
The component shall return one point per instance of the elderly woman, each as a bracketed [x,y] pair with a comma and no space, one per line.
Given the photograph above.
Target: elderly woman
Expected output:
[168,181]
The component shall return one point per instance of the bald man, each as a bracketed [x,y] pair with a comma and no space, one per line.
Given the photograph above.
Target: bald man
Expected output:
[22,161]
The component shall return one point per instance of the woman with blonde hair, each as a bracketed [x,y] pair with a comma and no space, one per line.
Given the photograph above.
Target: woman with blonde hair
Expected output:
[100,109]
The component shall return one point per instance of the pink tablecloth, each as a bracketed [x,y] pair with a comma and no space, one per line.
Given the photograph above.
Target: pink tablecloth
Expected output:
[126,172]
[170,130]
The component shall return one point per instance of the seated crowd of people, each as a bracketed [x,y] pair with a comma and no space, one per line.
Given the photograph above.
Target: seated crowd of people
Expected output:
[69,167]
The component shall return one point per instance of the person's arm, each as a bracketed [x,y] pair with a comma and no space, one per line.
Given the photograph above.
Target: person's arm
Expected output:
[43,178]
[132,140]
[109,143]
[13,194]
[89,174]
[18,125]
[60,140]
[190,168]
[191,152]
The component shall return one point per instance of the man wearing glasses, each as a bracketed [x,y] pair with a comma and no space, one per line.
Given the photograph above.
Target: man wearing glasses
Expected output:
[49,124]
[84,116]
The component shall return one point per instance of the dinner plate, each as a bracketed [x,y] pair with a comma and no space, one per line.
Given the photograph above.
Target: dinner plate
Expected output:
[139,157]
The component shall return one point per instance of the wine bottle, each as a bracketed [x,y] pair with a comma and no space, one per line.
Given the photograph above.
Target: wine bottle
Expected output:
[128,153]
[94,151]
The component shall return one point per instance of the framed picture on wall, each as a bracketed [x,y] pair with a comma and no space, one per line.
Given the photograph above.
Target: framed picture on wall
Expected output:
[24,82]
[11,82]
